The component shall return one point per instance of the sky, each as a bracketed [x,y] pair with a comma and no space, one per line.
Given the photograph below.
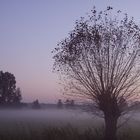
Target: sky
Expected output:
[31,29]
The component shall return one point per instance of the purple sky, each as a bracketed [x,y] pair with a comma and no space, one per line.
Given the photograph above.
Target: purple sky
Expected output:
[30,30]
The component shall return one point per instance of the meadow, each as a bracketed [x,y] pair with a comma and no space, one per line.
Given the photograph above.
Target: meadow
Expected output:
[63,124]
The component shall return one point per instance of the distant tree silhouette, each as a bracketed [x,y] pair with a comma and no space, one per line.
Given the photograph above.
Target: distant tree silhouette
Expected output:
[123,104]
[59,103]
[9,94]
[36,104]
[72,102]
[69,103]
[100,62]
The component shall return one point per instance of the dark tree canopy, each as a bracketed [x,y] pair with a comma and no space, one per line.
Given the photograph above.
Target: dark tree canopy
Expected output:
[36,104]
[69,103]
[100,60]
[59,103]
[9,94]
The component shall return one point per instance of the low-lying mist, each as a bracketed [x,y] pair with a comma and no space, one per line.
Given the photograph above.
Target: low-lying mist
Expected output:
[41,124]
[54,117]
[47,117]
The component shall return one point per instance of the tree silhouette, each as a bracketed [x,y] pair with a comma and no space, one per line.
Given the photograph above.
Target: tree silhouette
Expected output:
[8,92]
[100,62]
[59,103]
[69,103]
[36,104]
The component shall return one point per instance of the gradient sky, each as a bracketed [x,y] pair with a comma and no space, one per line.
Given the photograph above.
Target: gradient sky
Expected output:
[31,29]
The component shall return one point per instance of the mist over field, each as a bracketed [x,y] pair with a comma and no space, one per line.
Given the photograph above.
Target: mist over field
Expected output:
[47,117]
[56,118]
[69,70]
[34,123]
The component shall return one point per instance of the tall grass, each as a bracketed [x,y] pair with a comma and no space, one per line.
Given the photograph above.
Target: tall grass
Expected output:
[65,133]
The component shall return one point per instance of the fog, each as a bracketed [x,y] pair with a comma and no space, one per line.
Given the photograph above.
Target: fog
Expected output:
[36,119]
[47,117]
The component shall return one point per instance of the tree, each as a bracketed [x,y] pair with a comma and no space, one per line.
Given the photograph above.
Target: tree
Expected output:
[100,62]
[36,104]
[69,103]
[8,92]
[72,103]
[59,103]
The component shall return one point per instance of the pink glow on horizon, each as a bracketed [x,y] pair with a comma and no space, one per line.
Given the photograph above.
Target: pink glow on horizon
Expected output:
[31,29]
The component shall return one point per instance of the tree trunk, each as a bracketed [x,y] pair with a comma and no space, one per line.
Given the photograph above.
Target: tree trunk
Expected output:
[110,128]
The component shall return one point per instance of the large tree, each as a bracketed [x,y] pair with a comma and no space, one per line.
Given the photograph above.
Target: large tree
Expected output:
[9,94]
[100,61]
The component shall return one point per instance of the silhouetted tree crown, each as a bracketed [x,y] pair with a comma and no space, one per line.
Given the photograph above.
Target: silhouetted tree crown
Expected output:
[36,104]
[100,61]
[9,94]
[59,103]
[69,103]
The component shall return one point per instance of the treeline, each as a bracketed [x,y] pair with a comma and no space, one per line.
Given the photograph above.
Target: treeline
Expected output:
[67,103]
[10,95]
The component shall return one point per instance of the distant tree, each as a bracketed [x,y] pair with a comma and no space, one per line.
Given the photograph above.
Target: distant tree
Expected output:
[100,61]
[69,103]
[59,103]
[8,92]
[123,105]
[135,105]
[36,104]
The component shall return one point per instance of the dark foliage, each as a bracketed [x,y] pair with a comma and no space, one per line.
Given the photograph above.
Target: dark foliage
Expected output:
[9,94]
[59,103]
[36,104]
[69,103]
[100,62]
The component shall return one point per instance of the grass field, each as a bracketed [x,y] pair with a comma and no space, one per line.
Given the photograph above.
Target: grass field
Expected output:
[59,125]
[64,133]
